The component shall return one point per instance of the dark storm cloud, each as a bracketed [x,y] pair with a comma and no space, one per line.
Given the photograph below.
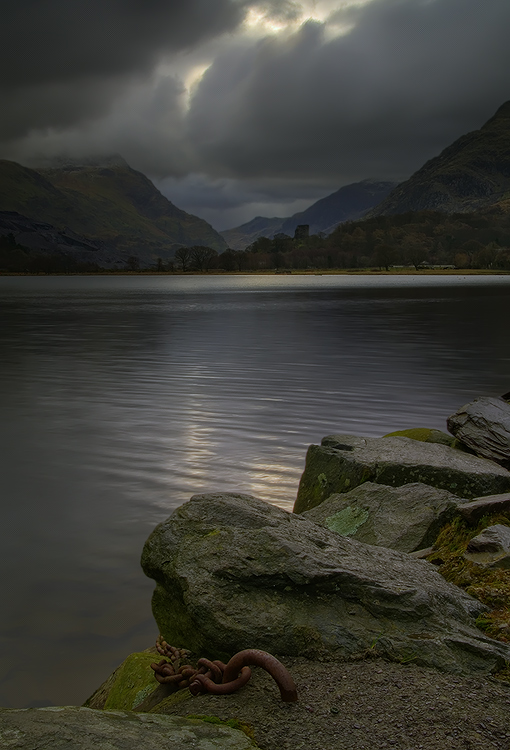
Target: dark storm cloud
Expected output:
[49,41]
[275,120]
[409,77]
[66,61]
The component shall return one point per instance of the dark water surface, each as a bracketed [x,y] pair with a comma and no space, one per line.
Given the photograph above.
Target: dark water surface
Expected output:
[120,397]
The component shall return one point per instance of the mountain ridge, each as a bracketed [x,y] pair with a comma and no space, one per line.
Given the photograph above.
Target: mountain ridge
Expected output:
[472,173]
[114,204]
[348,203]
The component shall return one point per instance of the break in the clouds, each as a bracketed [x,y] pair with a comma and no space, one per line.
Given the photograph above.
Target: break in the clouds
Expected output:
[239,107]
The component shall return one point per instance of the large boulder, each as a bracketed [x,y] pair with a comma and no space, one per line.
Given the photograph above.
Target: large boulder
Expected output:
[406,518]
[234,572]
[484,426]
[342,462]
[64,728]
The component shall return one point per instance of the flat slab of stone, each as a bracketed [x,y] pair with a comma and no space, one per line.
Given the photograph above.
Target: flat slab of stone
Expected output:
[69,727]
[342,462]
[491,547]
[234,572]
[484,426]
[484,506]
[406,518]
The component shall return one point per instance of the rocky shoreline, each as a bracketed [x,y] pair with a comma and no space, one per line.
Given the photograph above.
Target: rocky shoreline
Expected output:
[386,593]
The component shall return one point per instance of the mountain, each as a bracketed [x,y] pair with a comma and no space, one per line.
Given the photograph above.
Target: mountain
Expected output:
[107,201]
[347,204]
[36,239]
[471,174]
[242,236]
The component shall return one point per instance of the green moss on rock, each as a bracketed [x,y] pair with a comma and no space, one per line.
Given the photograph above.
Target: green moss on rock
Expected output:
[174,622]
[172,700]
[134,681]
[491,586]
[425,435]
[242,726]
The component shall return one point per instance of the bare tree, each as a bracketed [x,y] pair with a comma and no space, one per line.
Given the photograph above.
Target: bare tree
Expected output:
[183,256]
[202,256]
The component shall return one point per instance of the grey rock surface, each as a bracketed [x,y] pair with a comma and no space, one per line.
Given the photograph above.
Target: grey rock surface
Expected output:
[484,426]
[484,506]
[372,704]
[491,547]
[68,727]
[234,572]
[406,518]
[342,462]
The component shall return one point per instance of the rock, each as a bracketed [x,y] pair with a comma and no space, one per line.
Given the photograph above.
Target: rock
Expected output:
[63,728]
[425,435]
[484,506]
[406,518]
[234,572]
[129,685]
[422,554]
[342,462]
[491,547]
[484,426]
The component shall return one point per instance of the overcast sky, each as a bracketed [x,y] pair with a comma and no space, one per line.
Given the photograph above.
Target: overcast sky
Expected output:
[237,108]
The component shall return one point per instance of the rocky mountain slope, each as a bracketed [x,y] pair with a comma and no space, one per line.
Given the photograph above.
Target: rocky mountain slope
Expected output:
[107,201]
[346,204]
[24,242]
[472,173]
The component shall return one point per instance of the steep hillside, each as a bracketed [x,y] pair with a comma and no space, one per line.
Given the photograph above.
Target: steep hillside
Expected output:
[24,242]
[104,200]
[346,204]
[473,173]
[242,236]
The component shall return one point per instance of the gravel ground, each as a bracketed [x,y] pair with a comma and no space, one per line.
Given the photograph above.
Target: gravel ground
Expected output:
[366,705]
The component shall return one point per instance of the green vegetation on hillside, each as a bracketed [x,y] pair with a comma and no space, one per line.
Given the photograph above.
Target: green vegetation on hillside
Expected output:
[470,174]
[114,204]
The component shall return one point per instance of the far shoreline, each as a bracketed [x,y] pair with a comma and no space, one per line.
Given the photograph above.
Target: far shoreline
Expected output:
[272,272]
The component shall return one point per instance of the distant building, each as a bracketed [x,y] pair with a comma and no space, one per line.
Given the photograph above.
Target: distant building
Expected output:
[302,232]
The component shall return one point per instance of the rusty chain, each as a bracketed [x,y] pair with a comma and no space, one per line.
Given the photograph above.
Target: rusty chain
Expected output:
[216,677]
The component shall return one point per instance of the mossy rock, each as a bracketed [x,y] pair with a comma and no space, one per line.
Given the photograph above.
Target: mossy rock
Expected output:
[242,726]
[343,462]
[128,686]
[425,435]
[491,586]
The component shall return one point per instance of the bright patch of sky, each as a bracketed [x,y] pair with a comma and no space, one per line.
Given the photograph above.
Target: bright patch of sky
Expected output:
[262,21]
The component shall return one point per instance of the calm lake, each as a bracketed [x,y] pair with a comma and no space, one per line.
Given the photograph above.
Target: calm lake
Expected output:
[120,397]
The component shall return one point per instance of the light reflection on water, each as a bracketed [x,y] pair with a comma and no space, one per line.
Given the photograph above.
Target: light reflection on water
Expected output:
[122,396]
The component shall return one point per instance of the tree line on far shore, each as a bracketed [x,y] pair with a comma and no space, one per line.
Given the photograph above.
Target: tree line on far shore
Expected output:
[415,239]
